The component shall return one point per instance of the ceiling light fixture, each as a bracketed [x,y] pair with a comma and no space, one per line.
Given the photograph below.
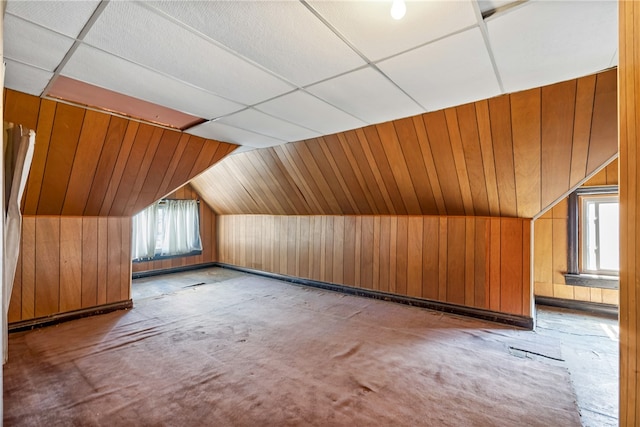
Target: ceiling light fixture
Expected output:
[398,9]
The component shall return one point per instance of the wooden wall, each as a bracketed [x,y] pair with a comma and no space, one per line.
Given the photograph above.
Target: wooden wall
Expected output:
[96,164]
[629,100]
[550,250]
[69,263]
[207,234]
[474,261]
[512,156]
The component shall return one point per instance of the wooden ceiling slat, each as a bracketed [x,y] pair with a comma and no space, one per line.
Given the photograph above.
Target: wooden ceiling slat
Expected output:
[359,162]
[488,161]
[558,105]
[438,134]
[119,168]
[525,119]
[399,167]
[381,163]
[500,113]
[335,180]
[94,129]
[345,173]
[143,170]
[62,148]
[36,173]
[427,157]
[468,126]
[189,156]
[290,189]
[166,149]
[411,150]
[582,128]
[298,179]
[104,170]
[131,171]
[173,165]
[250,173]
[451,117]
[295,158]
[602,133]
[290,202]
[321,177]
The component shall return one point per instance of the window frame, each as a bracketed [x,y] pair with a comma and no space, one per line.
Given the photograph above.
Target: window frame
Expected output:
[575,275]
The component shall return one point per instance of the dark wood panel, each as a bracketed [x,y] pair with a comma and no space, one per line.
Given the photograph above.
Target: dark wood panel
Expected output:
[500,113]
[71,264]
[47,266]
[60,158]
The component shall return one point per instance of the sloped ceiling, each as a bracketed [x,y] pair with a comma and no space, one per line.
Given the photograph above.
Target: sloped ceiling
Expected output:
[96,164]
[513,155]
[262,73]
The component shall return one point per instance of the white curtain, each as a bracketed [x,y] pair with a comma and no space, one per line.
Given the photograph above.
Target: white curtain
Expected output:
[144,233]
[181,228]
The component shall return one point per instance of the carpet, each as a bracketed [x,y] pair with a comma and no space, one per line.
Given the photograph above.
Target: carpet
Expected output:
[251,351]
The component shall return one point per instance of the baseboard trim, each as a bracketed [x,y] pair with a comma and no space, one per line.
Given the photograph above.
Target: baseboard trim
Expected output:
[53,319]
[150,273]
[608,310]
[478,313]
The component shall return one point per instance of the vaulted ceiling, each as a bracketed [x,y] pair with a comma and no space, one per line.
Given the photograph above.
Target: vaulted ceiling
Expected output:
[262,73]
[513,155]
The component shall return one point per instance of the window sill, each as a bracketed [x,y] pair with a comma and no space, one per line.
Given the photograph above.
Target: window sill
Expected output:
[592,280]
[163,257]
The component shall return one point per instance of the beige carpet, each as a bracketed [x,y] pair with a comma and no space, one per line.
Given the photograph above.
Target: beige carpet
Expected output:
[250,351]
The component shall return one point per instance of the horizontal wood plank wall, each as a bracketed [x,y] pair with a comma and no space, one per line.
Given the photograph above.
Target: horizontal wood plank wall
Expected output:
[550,250]
[70,263]
[96,164]
[510,156]
[207,234]
[473,261]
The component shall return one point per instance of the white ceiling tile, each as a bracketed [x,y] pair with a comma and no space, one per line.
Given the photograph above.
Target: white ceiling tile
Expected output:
[25,78]
[265,124]
[225,133]
[545,42]
[30,44]
[308,111]
[65,17]
[449,72]
[269,33]
[368,25]
[367,95]
[93,66]
[124,29]
[242,149]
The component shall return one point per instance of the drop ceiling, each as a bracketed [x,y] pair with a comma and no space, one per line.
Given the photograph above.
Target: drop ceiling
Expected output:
[264,73]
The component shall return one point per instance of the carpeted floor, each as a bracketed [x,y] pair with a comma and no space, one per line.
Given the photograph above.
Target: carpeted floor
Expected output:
[248,351]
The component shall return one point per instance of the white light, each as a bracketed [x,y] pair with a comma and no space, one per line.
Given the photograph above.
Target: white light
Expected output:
[398,9]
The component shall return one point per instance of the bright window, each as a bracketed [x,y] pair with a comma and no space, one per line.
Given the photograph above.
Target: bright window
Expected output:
[600,234]
[166,229]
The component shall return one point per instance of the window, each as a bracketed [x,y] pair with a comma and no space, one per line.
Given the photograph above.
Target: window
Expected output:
[165,229]
[594,237]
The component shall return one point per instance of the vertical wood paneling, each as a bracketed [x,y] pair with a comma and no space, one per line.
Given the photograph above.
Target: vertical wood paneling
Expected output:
[15,305]
[89,262]
[629,161]
[449,259]
[414,267]
[70,267]
[456,233]
[500,112]
[582,128]
[28,254]
[557,139]
[430,257]
[47,266]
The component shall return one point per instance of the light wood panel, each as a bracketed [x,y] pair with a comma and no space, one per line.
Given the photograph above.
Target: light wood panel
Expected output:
[550,250]
[68,263]
[510,156]
[207,234]
[448,259]
[629,124]
[96,164]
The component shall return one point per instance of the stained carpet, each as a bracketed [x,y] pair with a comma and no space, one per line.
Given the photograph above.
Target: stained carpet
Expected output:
[250,351]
